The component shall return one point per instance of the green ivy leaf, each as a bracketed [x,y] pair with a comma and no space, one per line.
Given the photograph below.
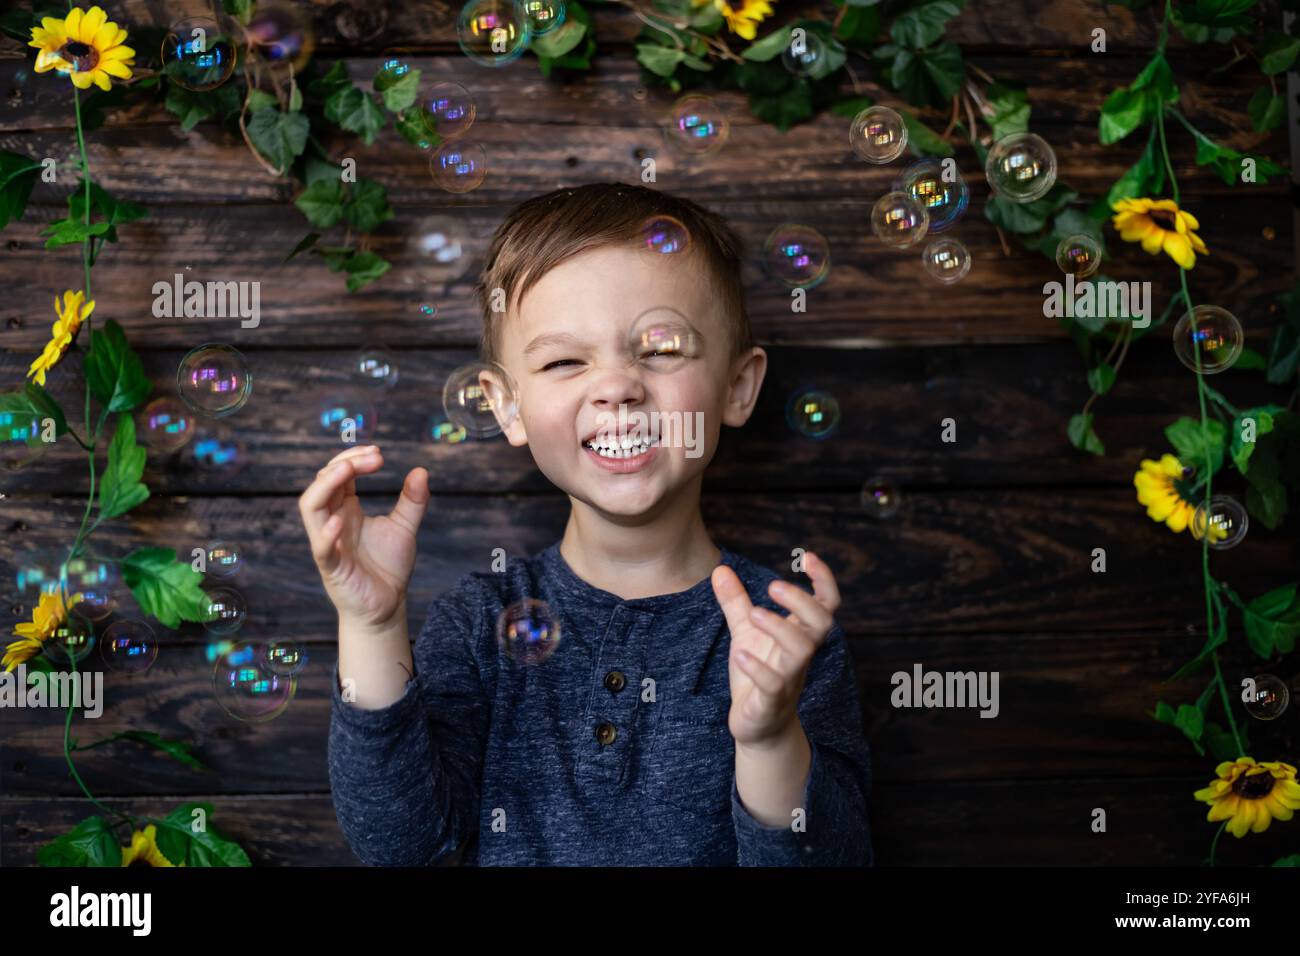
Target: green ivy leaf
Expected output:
[33,401]
[181,843]
[923,140]
[90,843]
[114,372]
[1277,53]
[116,211]
[333,81]
[1101,378]
[1272,622]
[178,750]
[305,243]
[367,207]
[770,46]
[1228,162]
[929,77]
[659,60]
[923,24]
[17,177]
[1082,436]
[355,111]
[783,110]
[65,232]
[1121,113]
[859,26]
[1011,109]
[322,203]
[1266,110]
[121,489]
[851,106]
[361,268]
[401,93]
[165,588]
[279,137]
[412,127]
[1240,451]
[557,43]
[1190,443]
[1292,860]
[261,100]
[579,58]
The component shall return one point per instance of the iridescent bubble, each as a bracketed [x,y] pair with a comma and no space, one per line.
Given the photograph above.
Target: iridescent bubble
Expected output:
[376,368]
[1271,698]
[165,425]
[246,688]
[543,15]
[475,394]
[214,380]
[429,310]
[359,21]
[1020,167]
[394,64]
[665,235]
[346,415]
[35,573]
[72,640]
[129,646]
[223,560]
[197,54]
[1227,522]
[813,413]
[663,339]
[217,453]
[928,183]
[528,632]
[698,125]
[946,259]
[280,34]
[439,431]
[96,580]
[1079,255]
[447,109]
[899,220]
[459,167]
[438,251]
[806,56]
[878,135]
[880,498]
[1215,343]
[284,658]
[20,439]
[225,611]
[797,255]
[493,32]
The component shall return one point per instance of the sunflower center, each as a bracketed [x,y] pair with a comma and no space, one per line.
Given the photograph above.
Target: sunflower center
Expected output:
[81,57]
[1254,786]
[1164,219]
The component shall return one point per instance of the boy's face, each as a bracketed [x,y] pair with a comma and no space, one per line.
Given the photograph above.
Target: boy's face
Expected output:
[574,349]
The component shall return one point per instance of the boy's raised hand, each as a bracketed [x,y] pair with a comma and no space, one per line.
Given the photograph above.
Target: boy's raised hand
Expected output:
[365,562]
[770,652]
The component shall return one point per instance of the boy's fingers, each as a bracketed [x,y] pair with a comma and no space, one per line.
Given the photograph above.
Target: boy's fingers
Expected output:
[357,452]
[796,647]
[765,679]
[412,502]
[823,579]
[806,608]
[731,596]
[324,495]
[326,552]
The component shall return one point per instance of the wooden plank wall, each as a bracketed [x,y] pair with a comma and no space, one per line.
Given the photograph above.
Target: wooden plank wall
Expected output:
[986,567]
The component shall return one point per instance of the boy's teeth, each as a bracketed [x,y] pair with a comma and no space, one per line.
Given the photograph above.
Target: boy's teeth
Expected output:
[619,448]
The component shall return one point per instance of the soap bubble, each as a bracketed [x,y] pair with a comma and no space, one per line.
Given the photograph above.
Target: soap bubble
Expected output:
[1217,339]
[543,15]
[878,135]
[165,425]
[71,641]
[429,310]
[346,415]
[804,59]
[225,611]
[284,658]
[223,560]
[35,573]
[944,201]
[459,167]
[439,431]
[438,251]
[663,339]
[447,109]
[493,32]
[528,632]
[1227,522]
[813,413]
[197,54]
[246,688]
[393,65]
[664,234]
[17,429]
[96,580]
[359,21]
[217,453]
[797,255]
[475,394]
[698,125]
[1271,698]
[1020,167]
[899,220]
[946,259]
[880,498]
[279,33]
[129,646]
[1079,256]
[376,368]
[214,380]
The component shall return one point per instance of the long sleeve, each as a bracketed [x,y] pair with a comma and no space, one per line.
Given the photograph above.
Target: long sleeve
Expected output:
[836,830]
[405,778]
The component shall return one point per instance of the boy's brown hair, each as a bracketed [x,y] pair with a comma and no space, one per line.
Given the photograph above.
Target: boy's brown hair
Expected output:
[542,232]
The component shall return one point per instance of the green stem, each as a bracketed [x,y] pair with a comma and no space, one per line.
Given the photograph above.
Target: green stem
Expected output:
[1215,843]
[67,751]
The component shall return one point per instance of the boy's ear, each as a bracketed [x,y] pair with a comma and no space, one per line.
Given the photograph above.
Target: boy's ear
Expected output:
[746,379]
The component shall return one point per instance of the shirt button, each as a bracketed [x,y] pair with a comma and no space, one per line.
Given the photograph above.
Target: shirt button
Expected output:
[605,734]
[615,681]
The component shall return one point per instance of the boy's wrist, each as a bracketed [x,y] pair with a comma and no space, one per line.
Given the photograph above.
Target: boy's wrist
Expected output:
[392,626]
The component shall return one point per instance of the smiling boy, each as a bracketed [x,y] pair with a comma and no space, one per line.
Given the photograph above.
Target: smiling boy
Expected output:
[683,718]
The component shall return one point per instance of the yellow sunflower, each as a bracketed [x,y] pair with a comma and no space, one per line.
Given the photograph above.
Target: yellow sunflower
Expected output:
[86,46]
[742,16]
[48,615]
[143,850]
[1250,795]
[1160,226]
[71,313]
[1158,487]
